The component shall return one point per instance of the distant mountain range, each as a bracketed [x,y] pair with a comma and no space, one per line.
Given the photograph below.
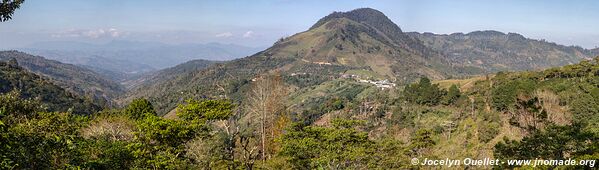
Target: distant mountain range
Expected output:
[595,51]
[119,59]
[77,80]
[496,51]
[158,77]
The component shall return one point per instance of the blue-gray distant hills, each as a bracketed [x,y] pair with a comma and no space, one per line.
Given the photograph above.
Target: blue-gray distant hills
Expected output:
[118,59]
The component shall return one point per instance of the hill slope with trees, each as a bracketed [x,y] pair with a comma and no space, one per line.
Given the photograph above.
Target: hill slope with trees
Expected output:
[362,40]
[20,83]
[496,51]
[169,74]
[77,80]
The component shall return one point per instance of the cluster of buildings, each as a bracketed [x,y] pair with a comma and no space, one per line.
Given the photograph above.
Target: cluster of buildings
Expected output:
[383,84]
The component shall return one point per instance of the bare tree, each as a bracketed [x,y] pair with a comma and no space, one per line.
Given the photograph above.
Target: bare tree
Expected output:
[267,104]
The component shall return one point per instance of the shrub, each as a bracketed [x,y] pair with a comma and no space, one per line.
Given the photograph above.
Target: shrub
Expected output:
[488,130]
[424,92]
[205,110]
[138,108]
[453,94]
[112,128]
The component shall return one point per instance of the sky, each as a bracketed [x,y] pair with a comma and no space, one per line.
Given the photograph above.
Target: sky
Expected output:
[259,23]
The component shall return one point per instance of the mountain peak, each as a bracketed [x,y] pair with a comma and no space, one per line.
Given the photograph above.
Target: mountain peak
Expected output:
[486,33]
[367,16]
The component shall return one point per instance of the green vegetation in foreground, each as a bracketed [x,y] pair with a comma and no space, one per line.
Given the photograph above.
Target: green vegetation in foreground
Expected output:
[549,114]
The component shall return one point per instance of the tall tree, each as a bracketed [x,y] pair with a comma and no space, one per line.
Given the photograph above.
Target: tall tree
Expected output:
[453,94]
[267,104]
[424,92]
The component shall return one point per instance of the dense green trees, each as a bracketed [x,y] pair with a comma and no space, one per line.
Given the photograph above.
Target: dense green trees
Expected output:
[32,139]
[138,108]
[504,94]
[11,103]
[421,140]
[452,96]
[424,92]
[574,85]
[205,110]
[338,147]
[552,143]
[32,86]
[161,142]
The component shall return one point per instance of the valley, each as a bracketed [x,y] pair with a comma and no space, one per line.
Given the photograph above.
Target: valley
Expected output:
[126,60]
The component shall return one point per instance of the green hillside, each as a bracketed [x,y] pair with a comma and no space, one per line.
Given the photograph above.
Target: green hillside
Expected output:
[361,39]
[482,121]
[217,80]
[77,80]
[496,51]
[31,86]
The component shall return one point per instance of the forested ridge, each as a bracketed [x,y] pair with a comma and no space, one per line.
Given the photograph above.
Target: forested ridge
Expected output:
[81,81]
[495,51]
[23,84]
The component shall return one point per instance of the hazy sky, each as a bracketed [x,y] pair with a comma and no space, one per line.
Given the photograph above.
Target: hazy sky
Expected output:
[259,23]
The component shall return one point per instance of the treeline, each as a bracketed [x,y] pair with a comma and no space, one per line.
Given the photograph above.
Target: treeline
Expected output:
[426,93]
